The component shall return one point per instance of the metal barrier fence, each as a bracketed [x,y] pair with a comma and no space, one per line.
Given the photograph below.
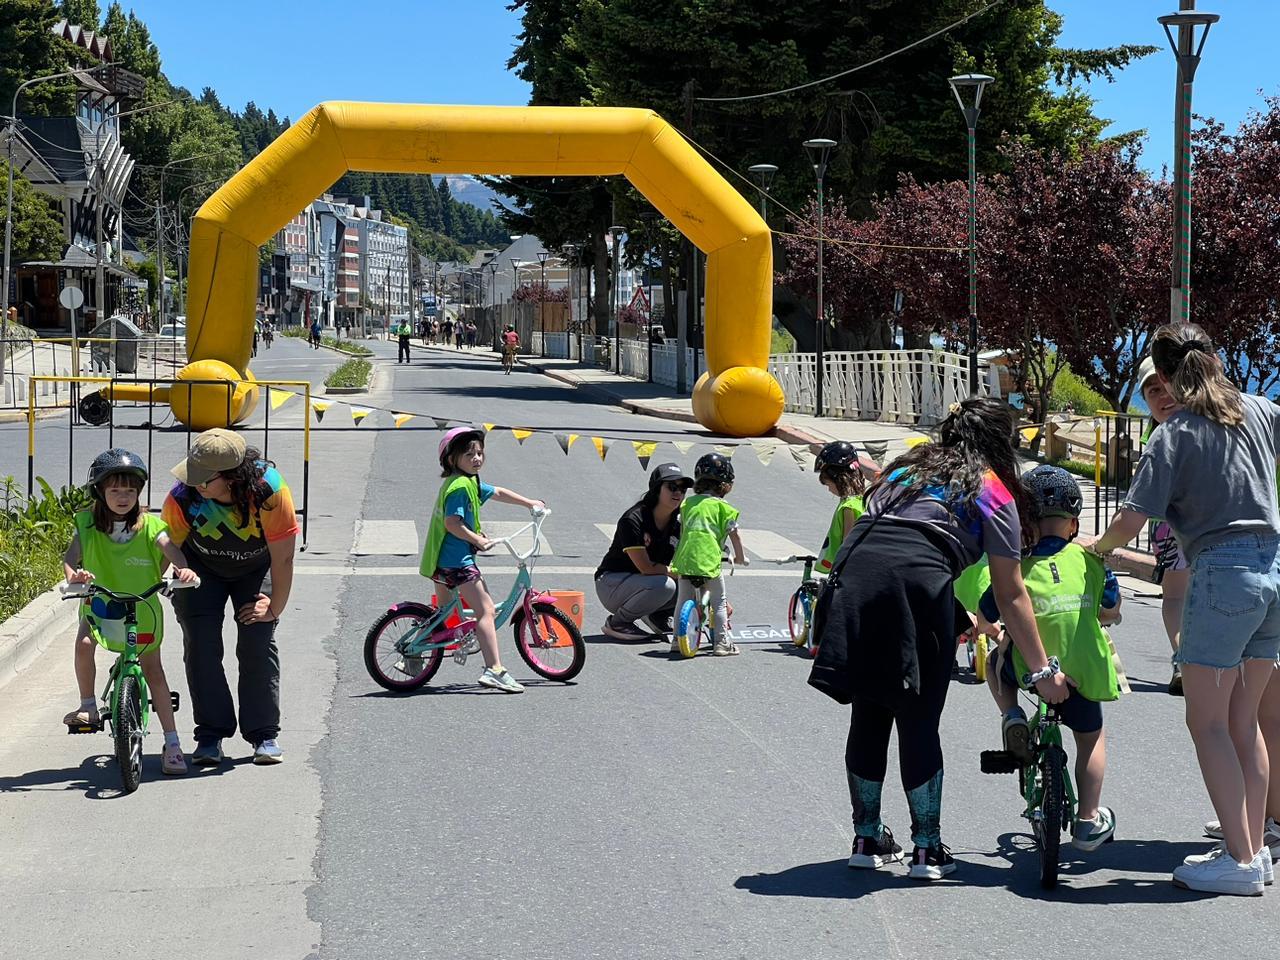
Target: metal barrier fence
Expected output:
[86,412]
[53,356]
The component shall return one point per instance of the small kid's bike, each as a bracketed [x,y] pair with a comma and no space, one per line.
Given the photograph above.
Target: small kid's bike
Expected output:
[126,699]
[406,645]
[801,606]
[696,622]
[1044,784]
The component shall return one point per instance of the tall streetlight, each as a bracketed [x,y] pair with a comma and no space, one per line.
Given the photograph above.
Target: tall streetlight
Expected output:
[972,84]
[1188,55]
[515,282]
[819,151]
[542,303]
[8,203]
[570,253]
[762,174]
[616,232]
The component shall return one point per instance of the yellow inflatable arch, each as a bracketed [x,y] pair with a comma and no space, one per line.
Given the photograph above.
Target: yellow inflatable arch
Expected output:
[736,396]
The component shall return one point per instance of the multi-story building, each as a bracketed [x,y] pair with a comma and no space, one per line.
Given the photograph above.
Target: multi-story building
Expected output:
[384,263]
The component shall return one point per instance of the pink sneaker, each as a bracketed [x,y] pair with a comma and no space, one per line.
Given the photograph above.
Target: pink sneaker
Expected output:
[172,762]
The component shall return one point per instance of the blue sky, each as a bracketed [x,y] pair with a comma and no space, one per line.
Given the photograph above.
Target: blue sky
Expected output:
[455,51]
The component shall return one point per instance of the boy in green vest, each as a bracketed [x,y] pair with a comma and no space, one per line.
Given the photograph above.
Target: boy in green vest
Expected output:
[1073,595]
[707,521]
[840,471]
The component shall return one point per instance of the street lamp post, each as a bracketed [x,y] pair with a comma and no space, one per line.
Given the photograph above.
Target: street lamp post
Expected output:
[974,83]
[616,232]
[542,303]
[820,153]
[763,173]
[1188,56]
[516,263]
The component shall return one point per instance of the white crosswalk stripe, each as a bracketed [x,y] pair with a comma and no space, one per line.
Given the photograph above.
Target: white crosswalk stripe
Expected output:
[764,544]
[388,538]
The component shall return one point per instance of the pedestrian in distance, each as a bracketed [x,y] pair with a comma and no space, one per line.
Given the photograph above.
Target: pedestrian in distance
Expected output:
[1230,638]
[124,548]
[471,334]
[707,523]
[455,537]
[315,334]
[404,330]
[887,620]
[1074,596]
[459,334]
[634,580]
[233,513]
[447,331]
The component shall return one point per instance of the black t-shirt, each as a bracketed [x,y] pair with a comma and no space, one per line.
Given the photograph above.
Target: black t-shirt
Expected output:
[636,528]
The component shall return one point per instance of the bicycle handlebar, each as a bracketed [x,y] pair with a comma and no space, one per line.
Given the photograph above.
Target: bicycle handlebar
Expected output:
[539,517]
[795,559]
[80,591]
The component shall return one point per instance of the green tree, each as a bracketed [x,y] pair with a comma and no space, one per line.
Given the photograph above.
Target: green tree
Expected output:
[37,230]
[29,49]
[86,13]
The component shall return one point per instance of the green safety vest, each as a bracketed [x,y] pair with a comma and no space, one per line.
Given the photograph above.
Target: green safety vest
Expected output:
[972,584]
[437,532]
[835,532]
[125,568]
[704,527]
[1066,593]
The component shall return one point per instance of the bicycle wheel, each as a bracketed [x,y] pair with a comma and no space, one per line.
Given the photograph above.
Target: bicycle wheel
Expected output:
[688,629]
[550,643]
[127,728]
[798,612]
[382,655]
[1052,764]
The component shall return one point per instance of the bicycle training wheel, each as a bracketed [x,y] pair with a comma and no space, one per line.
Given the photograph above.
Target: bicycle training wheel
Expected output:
[386,663]
[980,652]
[127,727]
[1051,800]
[798,613]
[550,643]
[688,629]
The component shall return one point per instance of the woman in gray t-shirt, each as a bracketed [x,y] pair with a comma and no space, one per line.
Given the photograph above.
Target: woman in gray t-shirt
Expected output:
[1210,471]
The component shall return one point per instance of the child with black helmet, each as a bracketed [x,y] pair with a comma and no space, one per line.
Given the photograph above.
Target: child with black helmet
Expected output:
[1073,594]
[126,549]
[839,469]
[707,521]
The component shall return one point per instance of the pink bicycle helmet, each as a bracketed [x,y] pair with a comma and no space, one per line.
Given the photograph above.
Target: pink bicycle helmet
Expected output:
[454,439]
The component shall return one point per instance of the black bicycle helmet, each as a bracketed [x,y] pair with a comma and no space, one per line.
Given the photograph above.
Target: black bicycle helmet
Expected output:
[713,466]
[1053,492]
[837,453]
[114,461]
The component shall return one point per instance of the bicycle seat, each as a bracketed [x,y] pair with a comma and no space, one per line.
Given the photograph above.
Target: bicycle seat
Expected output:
[697,581]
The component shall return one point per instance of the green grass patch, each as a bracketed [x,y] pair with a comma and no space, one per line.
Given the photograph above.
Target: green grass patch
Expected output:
[353,373]
[1080,468]
[33,536]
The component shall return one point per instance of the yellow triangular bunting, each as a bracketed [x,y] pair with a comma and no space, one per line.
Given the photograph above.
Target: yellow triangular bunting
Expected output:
[566,441]
[521,435]
[402,418]
[801,456]
[280,397]
[726,450]
[877,450]
[684,446]
[915,441]
[644,450]
[359,413]
[764,450]
[488,426]
[602,445]
[440,424]
[320,406]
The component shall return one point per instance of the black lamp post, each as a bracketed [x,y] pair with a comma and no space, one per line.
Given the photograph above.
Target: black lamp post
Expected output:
[820,153]
[616,232]
[972,84]
[542,303]
[763,173]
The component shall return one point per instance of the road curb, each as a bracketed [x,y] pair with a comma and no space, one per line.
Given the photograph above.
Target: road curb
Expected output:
[30,631]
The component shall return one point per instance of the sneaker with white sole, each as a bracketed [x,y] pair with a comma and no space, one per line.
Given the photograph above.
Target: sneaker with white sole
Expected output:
[267,752]
[1221,874]
[872,853]
[725,648]
[501,680]
[208,753]
[172,762]
[623,631]
[1089,835]
[931,863]
[1213,830]
[1265,860]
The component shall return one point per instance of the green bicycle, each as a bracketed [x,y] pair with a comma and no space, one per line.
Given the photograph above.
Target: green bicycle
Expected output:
[803,601]
[1044,784]
[126,699]
[404,648]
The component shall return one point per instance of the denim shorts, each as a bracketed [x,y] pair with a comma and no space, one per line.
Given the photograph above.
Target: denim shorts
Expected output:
[1232,610]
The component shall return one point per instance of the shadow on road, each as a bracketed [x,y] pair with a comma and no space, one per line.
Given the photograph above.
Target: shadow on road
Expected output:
[99,777]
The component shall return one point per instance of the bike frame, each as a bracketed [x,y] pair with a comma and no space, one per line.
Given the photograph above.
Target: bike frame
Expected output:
[128,663]
[1046,733]
[522,596]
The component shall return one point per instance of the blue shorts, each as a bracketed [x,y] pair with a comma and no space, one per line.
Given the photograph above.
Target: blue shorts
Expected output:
[1079,713]
[1232,610]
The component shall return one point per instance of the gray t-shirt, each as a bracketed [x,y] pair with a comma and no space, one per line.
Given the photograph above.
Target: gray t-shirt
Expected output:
[1211,482]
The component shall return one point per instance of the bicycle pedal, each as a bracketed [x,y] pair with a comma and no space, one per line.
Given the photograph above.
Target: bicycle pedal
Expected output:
[998,761]
[83,728]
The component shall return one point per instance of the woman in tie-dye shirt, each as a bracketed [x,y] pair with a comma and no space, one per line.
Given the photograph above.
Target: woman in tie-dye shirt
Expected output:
[888,644]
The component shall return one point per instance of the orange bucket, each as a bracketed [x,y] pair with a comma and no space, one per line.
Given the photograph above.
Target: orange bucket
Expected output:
[572,603]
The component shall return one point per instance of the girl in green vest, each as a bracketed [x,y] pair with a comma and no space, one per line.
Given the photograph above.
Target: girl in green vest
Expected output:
[125,549]
[455,537]
[839,470]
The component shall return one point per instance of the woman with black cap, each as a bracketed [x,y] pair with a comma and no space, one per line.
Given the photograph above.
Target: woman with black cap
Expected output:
[633,580]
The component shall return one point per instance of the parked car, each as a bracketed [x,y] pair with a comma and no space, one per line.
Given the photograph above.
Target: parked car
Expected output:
[173,330]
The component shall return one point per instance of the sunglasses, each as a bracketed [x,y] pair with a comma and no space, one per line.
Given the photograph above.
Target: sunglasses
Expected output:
[676,486]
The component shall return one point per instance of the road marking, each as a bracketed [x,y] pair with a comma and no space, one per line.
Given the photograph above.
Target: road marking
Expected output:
[346,570]
[607,529]
[770,545]
[396,538]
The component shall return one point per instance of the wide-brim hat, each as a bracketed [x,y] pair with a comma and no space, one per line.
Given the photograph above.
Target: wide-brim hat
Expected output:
[212,452]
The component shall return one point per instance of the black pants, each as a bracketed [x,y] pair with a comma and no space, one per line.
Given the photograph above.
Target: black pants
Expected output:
[200,614]
[403,351]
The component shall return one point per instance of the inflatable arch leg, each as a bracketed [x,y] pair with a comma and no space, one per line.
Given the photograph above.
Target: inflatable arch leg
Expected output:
[737,396]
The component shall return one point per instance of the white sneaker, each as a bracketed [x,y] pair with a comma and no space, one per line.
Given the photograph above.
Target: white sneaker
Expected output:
[1213,829]
[1221,874]
[503,681]
[1265,862]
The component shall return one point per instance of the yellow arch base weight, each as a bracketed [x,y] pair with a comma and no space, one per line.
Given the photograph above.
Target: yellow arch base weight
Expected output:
[736,397]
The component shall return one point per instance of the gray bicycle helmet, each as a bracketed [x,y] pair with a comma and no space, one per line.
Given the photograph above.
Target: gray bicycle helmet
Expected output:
[1053,492]
[114,461]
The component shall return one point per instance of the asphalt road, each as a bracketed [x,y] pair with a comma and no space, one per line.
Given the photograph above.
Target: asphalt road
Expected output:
[650,809]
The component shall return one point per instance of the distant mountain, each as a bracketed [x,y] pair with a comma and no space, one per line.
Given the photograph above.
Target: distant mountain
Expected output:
[472,191]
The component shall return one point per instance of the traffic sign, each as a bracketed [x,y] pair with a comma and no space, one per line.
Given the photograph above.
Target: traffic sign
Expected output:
[71,297]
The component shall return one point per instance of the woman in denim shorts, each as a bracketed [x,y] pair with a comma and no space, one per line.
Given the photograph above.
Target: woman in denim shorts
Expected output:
[1210,472]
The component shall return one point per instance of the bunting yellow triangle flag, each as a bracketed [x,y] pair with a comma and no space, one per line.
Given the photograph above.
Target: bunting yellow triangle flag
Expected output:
[726,450]
[521,435]
[602,445]
[800,456]
[359,413]
[320,406]
[488,426]
[644,450]
[764,450]
[441,424]
[915,441]
[684,446]
[280,397]
[877,450]
[566,441]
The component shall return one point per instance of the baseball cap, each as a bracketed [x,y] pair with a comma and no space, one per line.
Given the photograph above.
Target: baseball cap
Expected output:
[664,472]
[1146,370]
[213,451]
